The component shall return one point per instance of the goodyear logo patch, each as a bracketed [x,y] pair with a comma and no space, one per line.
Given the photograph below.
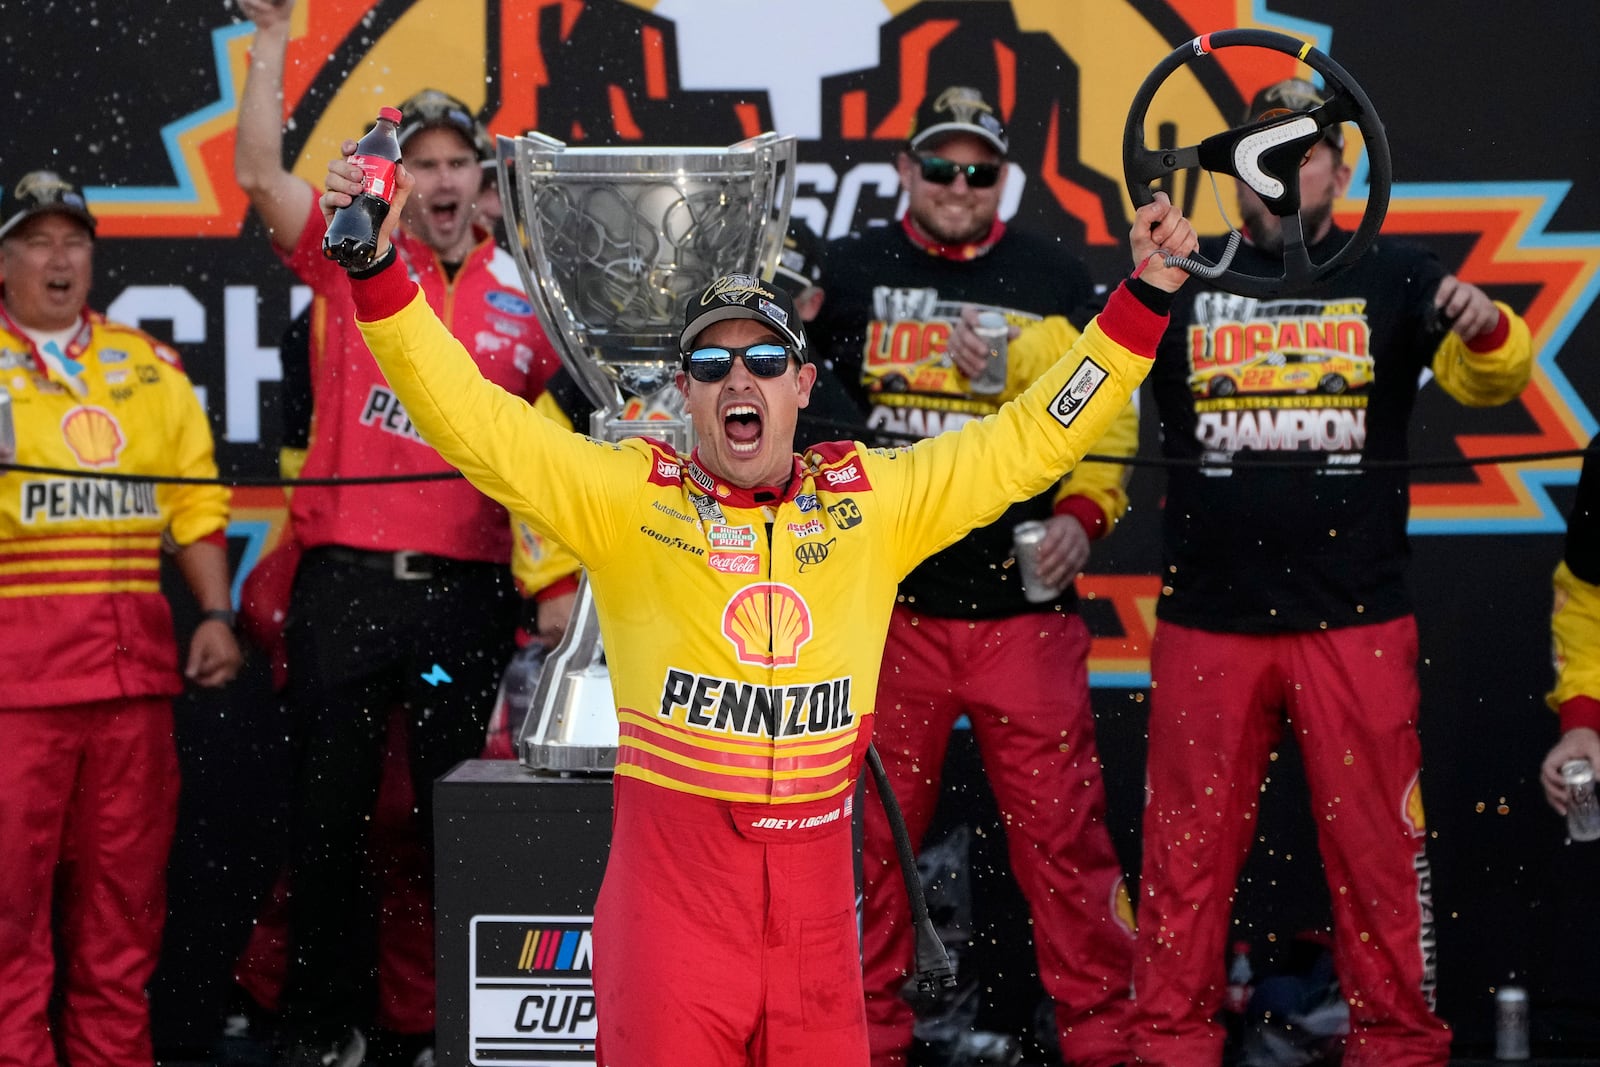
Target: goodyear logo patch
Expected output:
[532,990]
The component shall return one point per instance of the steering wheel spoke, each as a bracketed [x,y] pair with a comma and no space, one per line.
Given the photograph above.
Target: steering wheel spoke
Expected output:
[1266,155]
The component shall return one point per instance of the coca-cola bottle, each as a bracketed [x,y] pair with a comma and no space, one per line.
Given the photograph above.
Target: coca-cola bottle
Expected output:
[352,237]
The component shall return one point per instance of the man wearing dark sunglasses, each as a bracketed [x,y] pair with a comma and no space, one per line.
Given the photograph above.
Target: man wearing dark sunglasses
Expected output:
[743,593]
[964,640]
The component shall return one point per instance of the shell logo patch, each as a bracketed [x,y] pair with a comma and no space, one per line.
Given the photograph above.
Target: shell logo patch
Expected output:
[95,437]
[767,623]
[1412,812]
[1122,908]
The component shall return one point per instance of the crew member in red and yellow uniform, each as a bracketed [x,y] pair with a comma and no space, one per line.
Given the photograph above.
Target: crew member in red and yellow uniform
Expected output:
[1575,633]
[743,593]
[89,663]
[418,569]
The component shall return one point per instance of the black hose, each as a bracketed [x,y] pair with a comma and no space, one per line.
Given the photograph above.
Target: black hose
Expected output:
[933,963]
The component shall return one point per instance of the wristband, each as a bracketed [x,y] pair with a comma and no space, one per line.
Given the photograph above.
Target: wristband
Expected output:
[226,616]
[378,265]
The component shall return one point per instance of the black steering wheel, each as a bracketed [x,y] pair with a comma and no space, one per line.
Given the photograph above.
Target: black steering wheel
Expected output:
[1266,156]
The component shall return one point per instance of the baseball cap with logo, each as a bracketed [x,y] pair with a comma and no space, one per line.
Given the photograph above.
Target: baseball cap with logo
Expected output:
[958,109]
[434,110]
[42,192]
[799,260]
[744,296]
[1287,97]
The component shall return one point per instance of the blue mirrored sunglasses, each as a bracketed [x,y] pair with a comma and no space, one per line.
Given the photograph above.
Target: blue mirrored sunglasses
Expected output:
[765,360]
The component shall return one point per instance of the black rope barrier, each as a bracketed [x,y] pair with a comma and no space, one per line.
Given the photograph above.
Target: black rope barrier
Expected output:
[1257,462]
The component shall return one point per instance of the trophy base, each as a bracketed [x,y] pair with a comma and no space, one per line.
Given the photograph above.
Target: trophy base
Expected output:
[569,759]
[577,729]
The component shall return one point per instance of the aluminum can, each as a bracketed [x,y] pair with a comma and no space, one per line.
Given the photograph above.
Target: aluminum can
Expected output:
[993,329]
[1025,541]
[1583,809]
[1511,1023]
[8,430]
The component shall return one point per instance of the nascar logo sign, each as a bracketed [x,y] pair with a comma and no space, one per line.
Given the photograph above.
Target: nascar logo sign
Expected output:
[532,990]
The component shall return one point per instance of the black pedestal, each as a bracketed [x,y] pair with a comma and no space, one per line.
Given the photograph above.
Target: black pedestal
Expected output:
[518,864]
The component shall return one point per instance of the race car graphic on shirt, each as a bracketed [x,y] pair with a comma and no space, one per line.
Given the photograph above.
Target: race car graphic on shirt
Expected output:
[1291,371]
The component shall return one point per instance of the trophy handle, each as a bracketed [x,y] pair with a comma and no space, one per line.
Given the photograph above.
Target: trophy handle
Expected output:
[783,151]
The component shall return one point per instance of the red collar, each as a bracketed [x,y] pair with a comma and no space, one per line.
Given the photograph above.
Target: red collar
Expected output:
[734,496]
[960,253]
[80,339]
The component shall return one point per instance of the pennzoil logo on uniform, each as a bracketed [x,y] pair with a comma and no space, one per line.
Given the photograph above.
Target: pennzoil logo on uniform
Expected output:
[1080,388]
[72,499]
[767,623]
[728,705]
[384,410]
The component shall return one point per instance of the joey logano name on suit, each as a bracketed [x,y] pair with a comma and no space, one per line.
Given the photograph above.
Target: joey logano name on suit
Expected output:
[727,705]
[73,499]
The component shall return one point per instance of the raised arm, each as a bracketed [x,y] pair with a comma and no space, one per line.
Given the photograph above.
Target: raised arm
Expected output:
[282,200]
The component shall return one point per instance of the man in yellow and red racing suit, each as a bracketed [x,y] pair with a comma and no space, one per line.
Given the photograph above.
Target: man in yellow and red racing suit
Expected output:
[743,595]
[1575,633]
[89,661]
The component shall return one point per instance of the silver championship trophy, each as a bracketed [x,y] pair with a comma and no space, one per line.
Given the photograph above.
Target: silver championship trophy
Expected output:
[612,243]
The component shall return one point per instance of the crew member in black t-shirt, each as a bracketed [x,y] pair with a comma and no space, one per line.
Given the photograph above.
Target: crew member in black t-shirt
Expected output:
[1284,601]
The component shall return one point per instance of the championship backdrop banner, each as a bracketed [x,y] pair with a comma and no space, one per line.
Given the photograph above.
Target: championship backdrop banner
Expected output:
[1490,111]
[137,102]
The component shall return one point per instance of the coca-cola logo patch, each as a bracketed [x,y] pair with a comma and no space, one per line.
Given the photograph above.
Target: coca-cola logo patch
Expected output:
[733,562]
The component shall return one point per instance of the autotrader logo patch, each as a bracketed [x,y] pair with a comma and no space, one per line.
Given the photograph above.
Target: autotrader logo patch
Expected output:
[1080,388]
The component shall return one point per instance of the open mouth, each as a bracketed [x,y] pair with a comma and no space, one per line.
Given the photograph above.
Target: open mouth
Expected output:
[741,425]
[444,213]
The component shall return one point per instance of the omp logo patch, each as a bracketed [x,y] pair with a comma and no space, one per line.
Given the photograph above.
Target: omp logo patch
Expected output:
[1078,391]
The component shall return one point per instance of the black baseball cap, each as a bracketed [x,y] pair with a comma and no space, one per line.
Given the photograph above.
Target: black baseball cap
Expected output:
[1289,96]
[434,110]
[744,296]
[958,109]
[42,192]
[799,260]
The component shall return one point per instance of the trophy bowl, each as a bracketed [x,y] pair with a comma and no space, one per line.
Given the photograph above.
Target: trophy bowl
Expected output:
[612,243]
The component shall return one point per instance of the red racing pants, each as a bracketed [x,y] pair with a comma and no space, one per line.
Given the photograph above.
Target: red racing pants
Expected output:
[88,803]
[1219,705]
[721,943]
[1024,683]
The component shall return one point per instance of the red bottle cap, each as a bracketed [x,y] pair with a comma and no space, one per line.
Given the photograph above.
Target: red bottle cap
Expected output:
[390,113]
